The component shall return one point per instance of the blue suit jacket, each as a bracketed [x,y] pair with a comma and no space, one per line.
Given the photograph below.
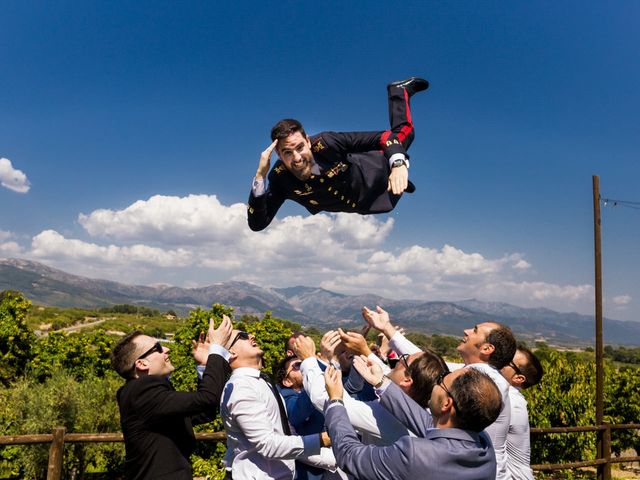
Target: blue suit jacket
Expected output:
[306,420]
[443,453]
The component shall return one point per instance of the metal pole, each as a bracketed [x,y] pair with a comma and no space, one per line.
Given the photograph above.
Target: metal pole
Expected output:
[599,340]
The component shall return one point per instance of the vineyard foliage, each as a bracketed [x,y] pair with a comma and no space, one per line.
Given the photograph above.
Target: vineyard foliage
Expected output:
[64,379]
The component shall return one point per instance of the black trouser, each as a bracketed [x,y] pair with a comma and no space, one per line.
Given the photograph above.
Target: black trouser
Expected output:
[399,118]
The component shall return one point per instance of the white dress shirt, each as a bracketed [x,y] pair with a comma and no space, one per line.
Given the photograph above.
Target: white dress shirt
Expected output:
[256,443]
[518,438]
[370,419]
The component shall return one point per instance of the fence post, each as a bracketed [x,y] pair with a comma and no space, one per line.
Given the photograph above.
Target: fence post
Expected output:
[606,451]
[56,454]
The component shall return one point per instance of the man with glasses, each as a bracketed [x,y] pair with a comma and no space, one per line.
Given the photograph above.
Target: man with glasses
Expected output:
[302,415]
[522,372]
[259,441]
[488,347]
[463,403]
[157,421]
[414,374]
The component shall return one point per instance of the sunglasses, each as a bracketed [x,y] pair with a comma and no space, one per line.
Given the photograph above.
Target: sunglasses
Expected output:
[295,366]
[240,336]
[402,358]
[157,347]
[516,369]
[440,383]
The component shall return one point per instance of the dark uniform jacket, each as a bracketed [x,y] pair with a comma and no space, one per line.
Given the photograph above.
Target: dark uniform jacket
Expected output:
[354,178]
[157,421]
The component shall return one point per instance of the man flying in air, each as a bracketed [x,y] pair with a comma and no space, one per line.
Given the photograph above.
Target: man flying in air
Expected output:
[356,172]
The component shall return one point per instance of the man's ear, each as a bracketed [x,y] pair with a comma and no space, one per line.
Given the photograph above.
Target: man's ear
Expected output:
[141,366]
[518,379]
[286,382]
[406,381]
[487,349]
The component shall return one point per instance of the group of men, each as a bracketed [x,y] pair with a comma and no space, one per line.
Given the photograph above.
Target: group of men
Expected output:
[341,412]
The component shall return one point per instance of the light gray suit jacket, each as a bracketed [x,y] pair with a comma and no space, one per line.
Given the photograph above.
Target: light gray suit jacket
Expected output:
[443,453]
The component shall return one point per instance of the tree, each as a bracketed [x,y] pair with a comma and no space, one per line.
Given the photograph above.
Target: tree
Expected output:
[16,338]
[83,355]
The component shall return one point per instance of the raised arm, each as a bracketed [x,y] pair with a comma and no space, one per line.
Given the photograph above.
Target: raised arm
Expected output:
[264,201]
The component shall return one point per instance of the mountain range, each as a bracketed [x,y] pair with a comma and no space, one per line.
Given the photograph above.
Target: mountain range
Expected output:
[310,306]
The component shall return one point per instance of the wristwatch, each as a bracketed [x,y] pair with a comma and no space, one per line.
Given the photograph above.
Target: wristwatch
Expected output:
[399,162]
[379,384]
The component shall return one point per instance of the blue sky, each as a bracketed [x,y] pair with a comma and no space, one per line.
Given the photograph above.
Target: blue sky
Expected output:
[130,132]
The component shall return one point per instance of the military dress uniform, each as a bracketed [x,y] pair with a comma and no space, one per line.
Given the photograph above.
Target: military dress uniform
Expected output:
[352,174]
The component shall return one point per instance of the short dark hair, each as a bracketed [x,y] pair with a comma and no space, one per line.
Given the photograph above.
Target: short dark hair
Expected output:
[424,372]
[504,343]
[477,400]
[281,369]
[288,343]
[123,355]
[286,127]
[532,370]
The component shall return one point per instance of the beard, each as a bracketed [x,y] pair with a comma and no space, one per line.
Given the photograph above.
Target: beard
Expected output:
[304,172]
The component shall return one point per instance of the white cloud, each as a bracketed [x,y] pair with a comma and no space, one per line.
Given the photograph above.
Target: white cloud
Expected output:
[198,237]
[12,178]
[190,220]
[8,247]
[50,244]
[622,300]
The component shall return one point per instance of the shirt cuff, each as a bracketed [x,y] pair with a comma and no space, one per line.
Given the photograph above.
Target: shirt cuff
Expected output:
[383,387]
[311,443]
[331,404]
[200,369]
[258,187]
[396,156]
[220,350]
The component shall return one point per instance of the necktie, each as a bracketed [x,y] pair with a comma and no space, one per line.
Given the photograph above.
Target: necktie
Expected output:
[283,412]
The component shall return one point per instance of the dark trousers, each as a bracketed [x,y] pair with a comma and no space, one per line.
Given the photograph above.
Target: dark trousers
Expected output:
[399,118]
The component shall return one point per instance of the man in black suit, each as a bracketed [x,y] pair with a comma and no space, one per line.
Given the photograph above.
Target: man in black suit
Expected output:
[358,172]
[157,420]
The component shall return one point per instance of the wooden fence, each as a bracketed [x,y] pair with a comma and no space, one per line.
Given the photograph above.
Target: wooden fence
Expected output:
[603,461]
[59,437]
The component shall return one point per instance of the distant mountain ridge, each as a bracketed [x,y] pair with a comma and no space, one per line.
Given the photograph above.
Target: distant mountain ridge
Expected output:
[309,305]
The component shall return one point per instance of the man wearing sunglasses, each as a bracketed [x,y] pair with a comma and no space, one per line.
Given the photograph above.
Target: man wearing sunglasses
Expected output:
[463,403]
[522,372]
[488,347]
[259,441]
[157,421]
[302,415]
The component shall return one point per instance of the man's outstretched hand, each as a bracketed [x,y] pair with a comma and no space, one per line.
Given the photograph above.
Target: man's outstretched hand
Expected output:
[398,179]
[265,161]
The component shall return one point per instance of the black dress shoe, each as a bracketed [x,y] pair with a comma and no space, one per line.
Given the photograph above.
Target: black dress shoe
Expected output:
[411,85]
[410,187]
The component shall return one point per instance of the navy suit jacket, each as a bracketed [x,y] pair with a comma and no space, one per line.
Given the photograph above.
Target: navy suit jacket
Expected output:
[442,453]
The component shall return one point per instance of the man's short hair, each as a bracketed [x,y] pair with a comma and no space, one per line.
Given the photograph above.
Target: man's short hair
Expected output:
[477,400]
[123,355]
[532,369]
[286,127]
[424,372]
[288,343]
[504,343]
